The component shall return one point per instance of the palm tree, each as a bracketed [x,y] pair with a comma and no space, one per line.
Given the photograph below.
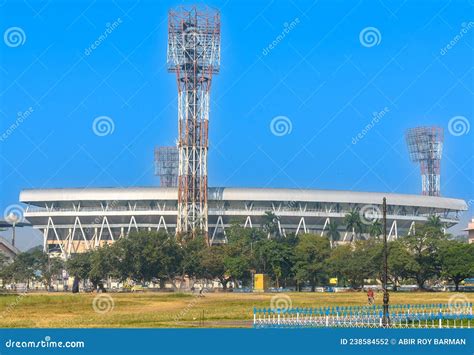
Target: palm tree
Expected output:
[270,224]
[353,222]
[434,222]
[375,229]
[333,232]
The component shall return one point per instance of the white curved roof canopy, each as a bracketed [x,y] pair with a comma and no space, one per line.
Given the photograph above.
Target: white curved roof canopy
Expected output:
[40,196]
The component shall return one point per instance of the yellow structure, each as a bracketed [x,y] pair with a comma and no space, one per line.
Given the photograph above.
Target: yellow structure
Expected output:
[260,282]
[333,281]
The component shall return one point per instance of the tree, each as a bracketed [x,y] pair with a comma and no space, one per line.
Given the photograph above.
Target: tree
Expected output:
[49,267]
[353,222]
[435,223]
[213,266]
[79,265]
[457,261]
[424,247]
[274,257]
[375,229]
[270,224]
[191,264]
[311,254]
[401,264]
[237,267]
[367,258]
[5,269]
[169,257]
[127,262]
[238,253]
[356,262]
[23,269]
[143,256]
[102,265]
[338,262]
[3,260]
[333,232]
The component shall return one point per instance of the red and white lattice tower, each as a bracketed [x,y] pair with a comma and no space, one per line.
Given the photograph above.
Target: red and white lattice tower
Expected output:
[425,145]
[194,55]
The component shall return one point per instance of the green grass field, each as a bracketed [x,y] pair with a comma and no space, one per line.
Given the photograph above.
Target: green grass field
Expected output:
[61,310]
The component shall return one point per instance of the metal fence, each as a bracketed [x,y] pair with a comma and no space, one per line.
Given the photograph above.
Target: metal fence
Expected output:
[401,316]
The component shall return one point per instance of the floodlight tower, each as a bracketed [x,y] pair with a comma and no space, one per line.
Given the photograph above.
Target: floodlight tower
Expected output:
[166,165]
[425,145]
[194,55]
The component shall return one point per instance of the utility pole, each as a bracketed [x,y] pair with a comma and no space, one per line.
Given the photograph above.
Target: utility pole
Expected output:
[13,219]
[13,233]
[385,317]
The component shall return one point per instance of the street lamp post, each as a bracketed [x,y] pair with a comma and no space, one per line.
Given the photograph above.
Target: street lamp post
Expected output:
[385,317]
[13,233]
[13,219]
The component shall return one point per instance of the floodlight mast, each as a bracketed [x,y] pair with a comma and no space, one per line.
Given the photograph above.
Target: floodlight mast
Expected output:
[166,165]
[425,145]
[194,55]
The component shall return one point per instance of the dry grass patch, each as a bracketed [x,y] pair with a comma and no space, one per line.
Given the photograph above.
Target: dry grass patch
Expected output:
[61,310]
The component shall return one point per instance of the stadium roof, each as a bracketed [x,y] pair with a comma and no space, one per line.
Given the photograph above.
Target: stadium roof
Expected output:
[39,196]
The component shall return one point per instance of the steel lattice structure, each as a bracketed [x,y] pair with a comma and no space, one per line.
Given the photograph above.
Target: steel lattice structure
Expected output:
[425,145]
[194,55]
[166,166]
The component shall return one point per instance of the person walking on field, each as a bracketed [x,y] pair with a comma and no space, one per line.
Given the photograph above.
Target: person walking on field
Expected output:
[370,296]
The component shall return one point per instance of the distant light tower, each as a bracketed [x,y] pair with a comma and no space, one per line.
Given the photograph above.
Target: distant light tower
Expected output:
[194,55]
[425,145]
[166,166]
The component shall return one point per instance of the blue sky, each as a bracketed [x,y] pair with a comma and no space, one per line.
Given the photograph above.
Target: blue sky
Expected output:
[320,75]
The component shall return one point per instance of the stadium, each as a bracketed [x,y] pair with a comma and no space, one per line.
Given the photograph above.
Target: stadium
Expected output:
[75,220]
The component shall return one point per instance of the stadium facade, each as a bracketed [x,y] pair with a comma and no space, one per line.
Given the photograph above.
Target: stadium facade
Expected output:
[75,220]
